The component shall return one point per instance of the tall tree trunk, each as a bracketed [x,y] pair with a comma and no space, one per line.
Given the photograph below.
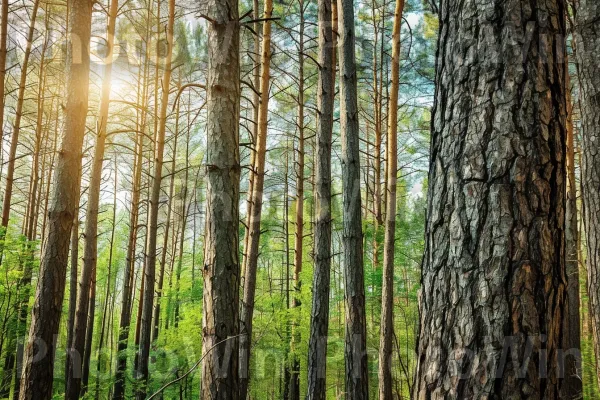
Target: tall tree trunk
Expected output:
[319,323]
[129,275]
[86,293]
[109,280]
[10,171]
[387,295]
[493,275]
[588,44]
[38,372]
[163,259]
[3,52]
[252,251]
[220,375]
[357,379]
[256,72]
[150,262]
[294,391]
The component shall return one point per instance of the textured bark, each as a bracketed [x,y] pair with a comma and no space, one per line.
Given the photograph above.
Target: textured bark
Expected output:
[150,259]
[493,281]
[587,39]
[221,273]
[252,250]
[36,381]
[86,294]
[387,295]
[357,381]
[319,321]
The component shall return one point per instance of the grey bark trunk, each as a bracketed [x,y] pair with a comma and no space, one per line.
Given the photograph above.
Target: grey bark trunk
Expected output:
[221,272]
[357,382]
[319,321]
[493,280]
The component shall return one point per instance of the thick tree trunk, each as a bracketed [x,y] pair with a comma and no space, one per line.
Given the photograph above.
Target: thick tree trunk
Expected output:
[220,374]
[587,39]
[252,251]
[37,377]
[86,293]
[357,387]
[493,281]
[319,323]
[387,295]
[150,260]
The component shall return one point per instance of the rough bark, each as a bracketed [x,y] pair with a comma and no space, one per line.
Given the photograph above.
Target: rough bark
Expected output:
[357,381]
[493,280]
[254,217]
[387,290]
[221,273]
[37,377]
[319,321]
[86,293]
[150,259]
[587,39]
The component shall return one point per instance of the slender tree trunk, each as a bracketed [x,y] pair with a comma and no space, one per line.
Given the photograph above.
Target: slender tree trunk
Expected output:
[150,262]
[319,324]
[128,276]
[257,59]
[86,294]
[89,334]
[588,44]
[163,259]
[299,217]
[493,276]
[108,292]
[73,273]
[252,251]
[10,172]
[3,52]
[220,374]
[357,380]
[38,372]
[387,295]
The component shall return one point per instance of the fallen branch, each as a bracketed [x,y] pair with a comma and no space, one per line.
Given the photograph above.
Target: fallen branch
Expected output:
[166,385]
